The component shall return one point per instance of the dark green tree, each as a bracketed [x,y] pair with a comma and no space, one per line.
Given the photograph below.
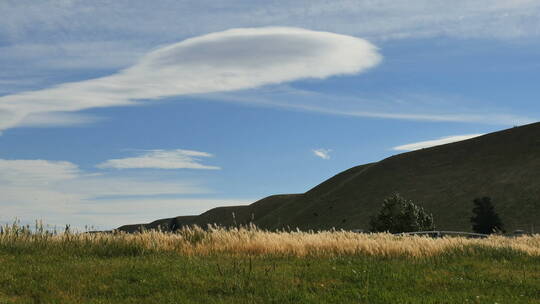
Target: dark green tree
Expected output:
[485,219]
[400,215]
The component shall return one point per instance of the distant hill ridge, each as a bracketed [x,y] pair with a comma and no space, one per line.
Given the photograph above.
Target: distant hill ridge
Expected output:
[504,165]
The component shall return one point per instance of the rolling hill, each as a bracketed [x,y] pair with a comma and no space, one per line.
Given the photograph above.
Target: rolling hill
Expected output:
[504,165]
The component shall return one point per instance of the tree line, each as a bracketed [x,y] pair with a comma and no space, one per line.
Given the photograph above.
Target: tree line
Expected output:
[398,214]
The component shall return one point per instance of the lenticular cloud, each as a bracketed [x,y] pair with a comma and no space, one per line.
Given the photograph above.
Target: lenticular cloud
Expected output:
[224,61]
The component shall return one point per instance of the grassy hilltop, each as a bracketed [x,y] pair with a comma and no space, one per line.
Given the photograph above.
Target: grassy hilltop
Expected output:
[445,179]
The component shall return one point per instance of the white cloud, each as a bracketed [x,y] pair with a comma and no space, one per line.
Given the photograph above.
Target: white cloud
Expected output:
[59,192]
[322,153]
[46,41]
[161,159]
[435,142]
[225,61]
[40,172]
[51,39]
[66,177]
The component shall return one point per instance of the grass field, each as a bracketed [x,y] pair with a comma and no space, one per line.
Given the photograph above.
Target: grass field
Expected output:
[251,266]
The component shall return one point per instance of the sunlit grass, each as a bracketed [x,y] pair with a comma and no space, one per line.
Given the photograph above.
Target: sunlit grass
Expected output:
[249,240]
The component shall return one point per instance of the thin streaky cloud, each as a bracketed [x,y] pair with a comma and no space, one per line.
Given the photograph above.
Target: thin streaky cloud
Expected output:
[435,142]
[287,97]
[56,119]
[161,159]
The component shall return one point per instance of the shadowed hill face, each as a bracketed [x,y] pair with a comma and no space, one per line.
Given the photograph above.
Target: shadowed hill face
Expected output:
[445,179]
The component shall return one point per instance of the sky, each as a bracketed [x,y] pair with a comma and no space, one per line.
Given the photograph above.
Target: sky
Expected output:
[119,112]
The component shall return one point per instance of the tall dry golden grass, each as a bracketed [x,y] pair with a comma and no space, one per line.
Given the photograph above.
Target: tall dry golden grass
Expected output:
[252,241]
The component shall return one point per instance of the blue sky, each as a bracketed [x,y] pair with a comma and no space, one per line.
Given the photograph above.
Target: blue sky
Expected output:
[128,111]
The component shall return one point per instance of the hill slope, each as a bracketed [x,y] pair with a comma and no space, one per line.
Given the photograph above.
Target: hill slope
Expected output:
[444,179]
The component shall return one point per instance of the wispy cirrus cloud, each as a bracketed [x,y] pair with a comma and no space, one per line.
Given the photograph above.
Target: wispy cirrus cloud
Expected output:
[409,107]
[377,18]
[322,153]
[161,159]
[56,119]
[224,61]
[434,142]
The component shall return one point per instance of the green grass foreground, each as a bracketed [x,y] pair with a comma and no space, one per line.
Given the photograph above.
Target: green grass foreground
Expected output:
[248,265]
[61,276]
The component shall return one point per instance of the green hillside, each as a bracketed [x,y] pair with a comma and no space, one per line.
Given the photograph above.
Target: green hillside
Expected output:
[445,179]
